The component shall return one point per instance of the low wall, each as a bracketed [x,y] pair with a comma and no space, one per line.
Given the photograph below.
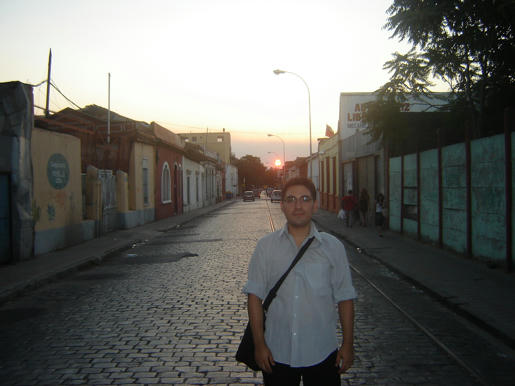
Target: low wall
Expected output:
[429,197]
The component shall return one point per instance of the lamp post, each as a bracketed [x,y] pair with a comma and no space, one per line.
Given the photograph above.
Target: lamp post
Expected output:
[279,72]
[284,156]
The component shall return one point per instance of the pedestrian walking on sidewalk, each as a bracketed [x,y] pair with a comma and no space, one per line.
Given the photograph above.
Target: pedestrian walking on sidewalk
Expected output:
[349,203]
[364,199]
[300,340]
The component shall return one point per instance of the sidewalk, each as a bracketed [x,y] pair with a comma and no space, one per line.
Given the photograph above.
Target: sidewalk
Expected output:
[483,295]
[27,274]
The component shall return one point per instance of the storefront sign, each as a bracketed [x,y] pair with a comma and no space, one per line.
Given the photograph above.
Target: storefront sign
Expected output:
[58,171]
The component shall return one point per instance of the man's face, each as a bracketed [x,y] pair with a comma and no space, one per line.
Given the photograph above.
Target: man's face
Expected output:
[298,209]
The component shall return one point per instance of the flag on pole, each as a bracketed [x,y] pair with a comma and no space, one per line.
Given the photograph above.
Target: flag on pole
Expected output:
[328,131]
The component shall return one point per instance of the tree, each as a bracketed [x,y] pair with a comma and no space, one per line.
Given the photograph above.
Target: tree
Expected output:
[468,44]
[251,171]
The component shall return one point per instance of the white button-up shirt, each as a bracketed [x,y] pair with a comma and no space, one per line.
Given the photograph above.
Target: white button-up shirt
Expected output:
[302,319]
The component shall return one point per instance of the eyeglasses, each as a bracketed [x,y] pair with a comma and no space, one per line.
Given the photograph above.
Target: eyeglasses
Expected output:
[301,199]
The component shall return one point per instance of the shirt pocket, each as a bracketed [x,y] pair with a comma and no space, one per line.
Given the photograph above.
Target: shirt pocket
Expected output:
[317,277]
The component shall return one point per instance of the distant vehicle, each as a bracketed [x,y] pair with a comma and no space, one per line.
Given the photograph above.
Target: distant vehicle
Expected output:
[276,196]
[248,195]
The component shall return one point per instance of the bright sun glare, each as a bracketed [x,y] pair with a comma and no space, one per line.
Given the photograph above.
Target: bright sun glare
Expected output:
[277,162]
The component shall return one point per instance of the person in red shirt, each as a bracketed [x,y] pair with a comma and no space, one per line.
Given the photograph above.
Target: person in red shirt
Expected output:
[349,202]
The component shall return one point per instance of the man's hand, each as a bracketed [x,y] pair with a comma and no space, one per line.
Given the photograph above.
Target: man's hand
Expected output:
[264,358]
[262,353]
[344,358]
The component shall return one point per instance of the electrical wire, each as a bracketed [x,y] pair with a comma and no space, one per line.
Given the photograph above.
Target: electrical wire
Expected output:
[38,84]
[43,108]
[64,96]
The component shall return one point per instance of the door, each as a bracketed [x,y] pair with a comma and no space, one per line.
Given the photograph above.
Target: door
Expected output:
[109,206]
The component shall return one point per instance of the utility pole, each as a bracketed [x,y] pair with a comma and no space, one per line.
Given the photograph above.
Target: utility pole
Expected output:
[47,110]
[108,107]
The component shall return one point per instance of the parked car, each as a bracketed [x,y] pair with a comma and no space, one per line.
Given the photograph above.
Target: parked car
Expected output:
[276,196]
[248,195]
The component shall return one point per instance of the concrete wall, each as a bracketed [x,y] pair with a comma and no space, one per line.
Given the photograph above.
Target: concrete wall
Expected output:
[410,192]
[394,204]
[454,197]
[429,195]
[488,205]
[487,192]
[57,202]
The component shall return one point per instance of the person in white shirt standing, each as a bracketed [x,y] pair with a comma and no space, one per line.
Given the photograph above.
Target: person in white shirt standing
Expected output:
[300,338]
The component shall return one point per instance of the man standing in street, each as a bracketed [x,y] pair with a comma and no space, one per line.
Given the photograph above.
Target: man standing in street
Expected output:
[300,338]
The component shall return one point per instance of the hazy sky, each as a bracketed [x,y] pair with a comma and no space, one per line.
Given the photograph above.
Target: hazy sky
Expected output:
[197,65]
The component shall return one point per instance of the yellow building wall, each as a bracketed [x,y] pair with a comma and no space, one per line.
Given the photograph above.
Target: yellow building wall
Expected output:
[141,154]
[329,150]
[56,162]
[122,191]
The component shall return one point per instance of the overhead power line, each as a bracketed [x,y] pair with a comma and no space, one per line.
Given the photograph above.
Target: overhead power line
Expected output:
[64,96]
[38,84]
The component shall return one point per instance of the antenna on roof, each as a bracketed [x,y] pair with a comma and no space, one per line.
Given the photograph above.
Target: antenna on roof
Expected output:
[47,110]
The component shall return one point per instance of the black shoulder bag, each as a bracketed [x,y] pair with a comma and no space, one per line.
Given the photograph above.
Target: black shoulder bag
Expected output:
[245,353]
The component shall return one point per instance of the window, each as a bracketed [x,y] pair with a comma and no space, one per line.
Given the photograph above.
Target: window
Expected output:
[409,207]
[166,187]
[410,211]
[219,139]
[196,186]
[193,139]
[146,194]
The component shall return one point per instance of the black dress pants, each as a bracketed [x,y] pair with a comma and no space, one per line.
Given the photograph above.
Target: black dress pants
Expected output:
[325,373]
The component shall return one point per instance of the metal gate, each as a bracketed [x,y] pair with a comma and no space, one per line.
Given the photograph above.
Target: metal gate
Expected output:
[109,207]
[5,219]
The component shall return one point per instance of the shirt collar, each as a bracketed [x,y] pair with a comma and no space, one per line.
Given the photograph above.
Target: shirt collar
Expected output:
[283,232]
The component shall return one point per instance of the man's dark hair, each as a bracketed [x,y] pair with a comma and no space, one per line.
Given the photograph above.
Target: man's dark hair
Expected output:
[300,181]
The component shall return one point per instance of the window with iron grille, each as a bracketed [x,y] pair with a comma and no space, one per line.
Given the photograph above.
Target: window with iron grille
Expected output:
[146,194]
[166,187]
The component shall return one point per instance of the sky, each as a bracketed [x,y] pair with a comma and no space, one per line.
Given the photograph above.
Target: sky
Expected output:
[204,65]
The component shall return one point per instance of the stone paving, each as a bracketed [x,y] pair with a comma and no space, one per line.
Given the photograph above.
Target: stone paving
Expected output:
[171,311]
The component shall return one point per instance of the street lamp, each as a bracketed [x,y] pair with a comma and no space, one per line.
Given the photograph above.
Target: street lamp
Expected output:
[279,72]
[284,155]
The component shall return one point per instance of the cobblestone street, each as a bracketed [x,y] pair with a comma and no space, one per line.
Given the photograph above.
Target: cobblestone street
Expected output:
[170,311]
